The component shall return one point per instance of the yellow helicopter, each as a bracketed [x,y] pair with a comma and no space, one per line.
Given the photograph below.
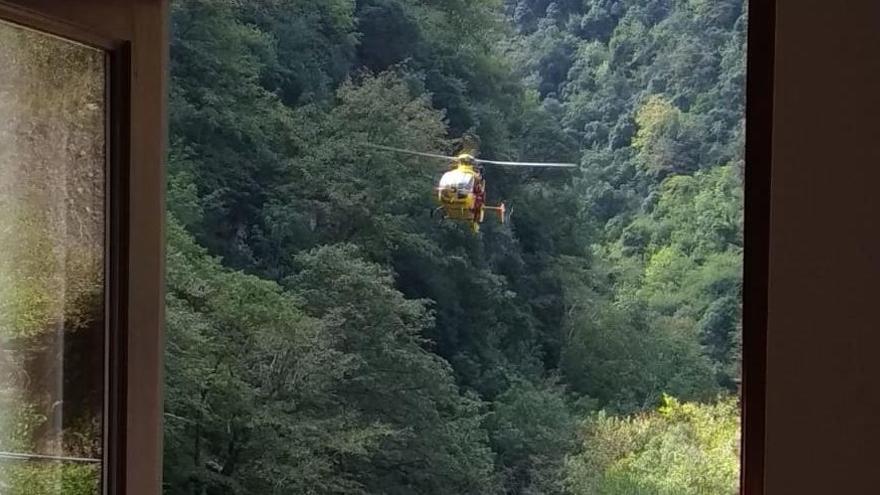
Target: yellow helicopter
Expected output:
[461,191]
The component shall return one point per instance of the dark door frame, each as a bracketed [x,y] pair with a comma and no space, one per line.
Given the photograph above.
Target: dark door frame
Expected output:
[758,159]
[133,33]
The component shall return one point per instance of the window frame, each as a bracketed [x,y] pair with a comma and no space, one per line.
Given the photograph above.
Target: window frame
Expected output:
[756,232]
[133,35]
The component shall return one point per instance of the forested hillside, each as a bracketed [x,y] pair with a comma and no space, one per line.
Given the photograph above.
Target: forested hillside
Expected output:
[326,336]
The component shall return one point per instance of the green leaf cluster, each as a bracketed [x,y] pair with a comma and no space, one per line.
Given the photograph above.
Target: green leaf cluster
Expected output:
[681,448]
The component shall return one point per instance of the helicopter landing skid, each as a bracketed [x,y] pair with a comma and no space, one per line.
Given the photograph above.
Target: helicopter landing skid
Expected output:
[502,211]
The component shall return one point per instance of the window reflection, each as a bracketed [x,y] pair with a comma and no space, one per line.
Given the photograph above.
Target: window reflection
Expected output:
[51,263]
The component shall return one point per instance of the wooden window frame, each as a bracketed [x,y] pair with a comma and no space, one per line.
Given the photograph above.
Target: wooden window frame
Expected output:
[133,33]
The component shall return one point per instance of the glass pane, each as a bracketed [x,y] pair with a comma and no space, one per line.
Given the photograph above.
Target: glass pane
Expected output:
[52,140]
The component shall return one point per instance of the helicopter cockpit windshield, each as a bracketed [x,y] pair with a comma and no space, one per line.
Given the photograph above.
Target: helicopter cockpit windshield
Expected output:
[461,182]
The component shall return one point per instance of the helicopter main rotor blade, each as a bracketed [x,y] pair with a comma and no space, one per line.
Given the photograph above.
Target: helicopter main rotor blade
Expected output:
[416,153]
[525,164]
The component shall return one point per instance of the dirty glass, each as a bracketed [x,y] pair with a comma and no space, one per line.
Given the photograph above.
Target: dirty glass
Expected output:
[52,317]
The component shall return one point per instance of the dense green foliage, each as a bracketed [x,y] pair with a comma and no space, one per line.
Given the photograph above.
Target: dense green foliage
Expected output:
[326,336]
[682,449]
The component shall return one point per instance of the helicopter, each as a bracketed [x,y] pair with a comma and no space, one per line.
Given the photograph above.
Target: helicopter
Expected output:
[461,191]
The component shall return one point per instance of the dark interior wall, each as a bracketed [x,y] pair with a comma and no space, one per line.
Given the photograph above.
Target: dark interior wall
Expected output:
[823,367]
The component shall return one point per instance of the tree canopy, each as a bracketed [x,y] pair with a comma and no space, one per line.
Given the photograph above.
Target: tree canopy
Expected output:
[326,336]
